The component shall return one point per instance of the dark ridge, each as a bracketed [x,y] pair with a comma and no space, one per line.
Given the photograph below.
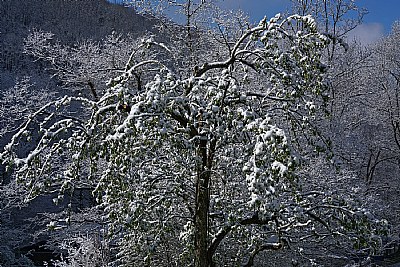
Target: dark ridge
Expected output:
[69,21]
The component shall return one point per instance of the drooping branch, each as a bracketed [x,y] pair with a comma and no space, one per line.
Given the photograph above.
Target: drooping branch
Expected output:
[253,220]
[263,247]
[198,71]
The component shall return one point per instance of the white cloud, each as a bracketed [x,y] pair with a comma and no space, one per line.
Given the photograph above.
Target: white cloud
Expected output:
[367,33]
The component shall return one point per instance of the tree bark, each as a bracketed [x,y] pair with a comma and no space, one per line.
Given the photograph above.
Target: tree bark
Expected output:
[202,258]
[201,223]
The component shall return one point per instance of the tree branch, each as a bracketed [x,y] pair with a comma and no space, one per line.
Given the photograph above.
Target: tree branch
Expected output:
[253,220]
[267,246]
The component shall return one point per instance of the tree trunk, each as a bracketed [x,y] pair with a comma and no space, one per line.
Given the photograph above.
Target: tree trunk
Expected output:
[202,208]
[201,223]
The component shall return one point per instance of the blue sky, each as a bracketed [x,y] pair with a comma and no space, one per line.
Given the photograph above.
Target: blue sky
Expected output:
[377,23]
[383,12]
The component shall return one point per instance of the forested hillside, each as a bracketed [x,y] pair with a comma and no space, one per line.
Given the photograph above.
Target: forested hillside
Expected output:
[71,23]
[129,140]
[27,83]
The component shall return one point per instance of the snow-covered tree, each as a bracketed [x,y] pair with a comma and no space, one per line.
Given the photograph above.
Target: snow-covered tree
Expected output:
[201,166]
[83,66]
[335,18]
[379,127]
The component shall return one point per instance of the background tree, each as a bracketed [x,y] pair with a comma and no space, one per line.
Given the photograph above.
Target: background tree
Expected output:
[379,124]
[360,131]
